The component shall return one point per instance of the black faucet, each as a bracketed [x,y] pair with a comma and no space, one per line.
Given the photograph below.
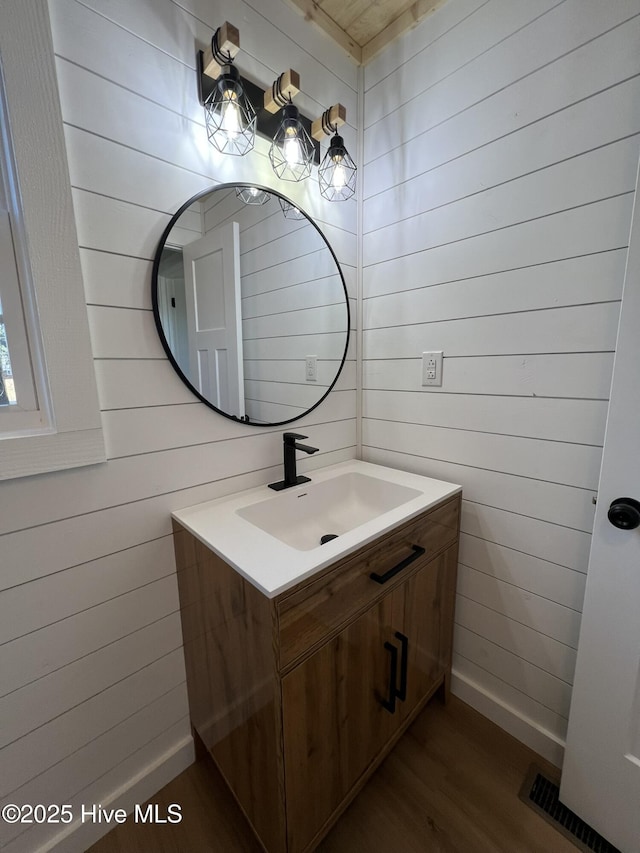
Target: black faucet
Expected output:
[290,440]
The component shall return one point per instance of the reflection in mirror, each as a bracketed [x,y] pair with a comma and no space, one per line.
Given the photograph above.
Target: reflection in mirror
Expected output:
[251,306]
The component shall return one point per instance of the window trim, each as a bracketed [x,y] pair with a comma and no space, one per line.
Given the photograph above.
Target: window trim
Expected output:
[73,436]
[33,410]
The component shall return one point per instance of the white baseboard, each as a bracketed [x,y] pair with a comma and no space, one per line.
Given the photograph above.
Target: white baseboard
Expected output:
[542,741]
[78,836]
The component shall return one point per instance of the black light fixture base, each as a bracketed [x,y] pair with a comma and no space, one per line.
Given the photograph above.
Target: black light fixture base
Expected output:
[268,123]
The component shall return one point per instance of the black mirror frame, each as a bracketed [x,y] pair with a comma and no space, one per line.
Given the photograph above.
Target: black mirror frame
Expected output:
[156,310]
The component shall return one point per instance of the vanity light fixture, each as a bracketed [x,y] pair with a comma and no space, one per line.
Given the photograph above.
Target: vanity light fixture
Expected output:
[236,108]
[252,195]
[337,172]
[229,114]
[292,151]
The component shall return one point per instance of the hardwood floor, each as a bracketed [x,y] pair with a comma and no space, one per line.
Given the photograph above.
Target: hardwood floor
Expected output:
[450,786]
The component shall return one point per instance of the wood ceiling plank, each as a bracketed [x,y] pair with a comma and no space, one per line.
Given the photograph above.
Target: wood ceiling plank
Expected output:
[312,12]
[365,27]
[376,18]
[406,21]
[344,13]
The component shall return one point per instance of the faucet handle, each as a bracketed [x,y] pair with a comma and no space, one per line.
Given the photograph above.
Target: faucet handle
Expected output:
[291,437]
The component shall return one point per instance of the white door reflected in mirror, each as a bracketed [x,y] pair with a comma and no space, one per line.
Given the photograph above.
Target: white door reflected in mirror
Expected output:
[214,324]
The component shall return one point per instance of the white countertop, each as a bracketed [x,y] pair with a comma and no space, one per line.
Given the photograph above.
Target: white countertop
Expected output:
[271,565]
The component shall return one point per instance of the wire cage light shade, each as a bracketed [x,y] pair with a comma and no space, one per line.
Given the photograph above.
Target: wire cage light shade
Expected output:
[229,115]
[337,172]
[292,151]
[252,195]
[289,210]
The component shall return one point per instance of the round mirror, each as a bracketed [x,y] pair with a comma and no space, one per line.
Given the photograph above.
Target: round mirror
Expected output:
[250,304]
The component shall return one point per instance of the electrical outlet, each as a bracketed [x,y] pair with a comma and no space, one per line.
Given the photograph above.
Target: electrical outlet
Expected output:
[432,368]
[311,368]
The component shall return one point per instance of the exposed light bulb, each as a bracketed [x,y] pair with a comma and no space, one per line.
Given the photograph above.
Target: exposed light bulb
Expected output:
[292,150]
[291,147]
[230,119]
[339,178]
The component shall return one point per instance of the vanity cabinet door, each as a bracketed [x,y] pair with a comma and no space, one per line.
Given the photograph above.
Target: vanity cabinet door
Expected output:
[344,704]
[334,722]
[423,606]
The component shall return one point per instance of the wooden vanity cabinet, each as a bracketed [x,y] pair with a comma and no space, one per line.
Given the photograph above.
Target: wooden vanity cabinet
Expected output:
[298,698]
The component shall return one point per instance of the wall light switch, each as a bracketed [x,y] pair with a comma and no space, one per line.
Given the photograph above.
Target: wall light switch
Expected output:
[432,368]
[311,368]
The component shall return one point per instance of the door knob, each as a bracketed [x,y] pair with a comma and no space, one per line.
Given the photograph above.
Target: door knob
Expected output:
[624,513]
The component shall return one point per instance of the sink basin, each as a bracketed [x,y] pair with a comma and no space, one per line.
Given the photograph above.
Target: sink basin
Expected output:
[273,539]
[301,518]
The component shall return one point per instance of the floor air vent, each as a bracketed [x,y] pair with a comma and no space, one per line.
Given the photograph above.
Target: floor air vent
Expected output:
[541,794]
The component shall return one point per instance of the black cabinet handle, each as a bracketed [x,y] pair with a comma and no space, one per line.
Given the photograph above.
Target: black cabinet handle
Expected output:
[390,703]
[402,692]
[396,692]
[418,551]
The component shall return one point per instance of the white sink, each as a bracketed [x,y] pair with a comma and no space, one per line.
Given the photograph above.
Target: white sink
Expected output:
[273,538]
[302,517]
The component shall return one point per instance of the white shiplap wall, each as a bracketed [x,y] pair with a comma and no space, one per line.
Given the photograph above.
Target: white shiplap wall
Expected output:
[501,147]
[93,702]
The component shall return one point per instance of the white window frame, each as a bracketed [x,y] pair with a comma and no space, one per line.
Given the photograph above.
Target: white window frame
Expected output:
[32,413]
[67,430]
